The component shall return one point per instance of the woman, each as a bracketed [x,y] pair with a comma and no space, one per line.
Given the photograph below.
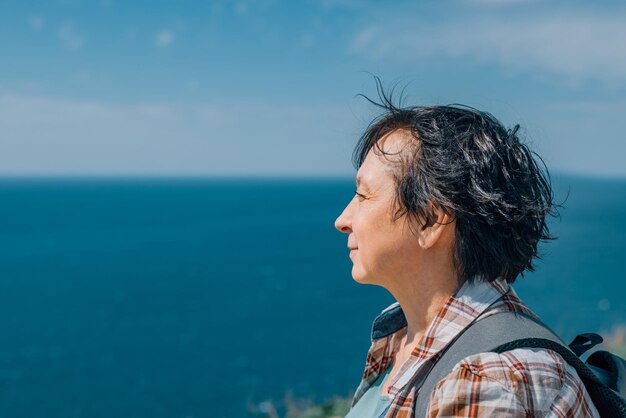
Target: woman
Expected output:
[448,211]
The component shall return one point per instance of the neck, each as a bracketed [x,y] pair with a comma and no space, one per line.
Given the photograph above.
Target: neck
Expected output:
[421,296]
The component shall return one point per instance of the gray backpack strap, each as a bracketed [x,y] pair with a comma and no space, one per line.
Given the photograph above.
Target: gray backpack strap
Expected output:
[483,335]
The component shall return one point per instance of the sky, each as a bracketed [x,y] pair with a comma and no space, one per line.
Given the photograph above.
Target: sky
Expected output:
[270,88]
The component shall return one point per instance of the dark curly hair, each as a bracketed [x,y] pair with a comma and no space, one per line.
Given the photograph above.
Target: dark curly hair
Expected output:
[467,163]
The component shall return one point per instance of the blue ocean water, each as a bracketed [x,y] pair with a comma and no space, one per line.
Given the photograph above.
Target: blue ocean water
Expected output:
[203,298]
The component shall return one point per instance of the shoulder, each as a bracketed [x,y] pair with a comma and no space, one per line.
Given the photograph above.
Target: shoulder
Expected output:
[518,370]
[521,381]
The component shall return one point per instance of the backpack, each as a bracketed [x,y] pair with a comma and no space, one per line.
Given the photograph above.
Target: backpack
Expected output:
[603,373]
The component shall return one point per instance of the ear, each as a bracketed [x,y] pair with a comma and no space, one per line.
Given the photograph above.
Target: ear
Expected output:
[439,225]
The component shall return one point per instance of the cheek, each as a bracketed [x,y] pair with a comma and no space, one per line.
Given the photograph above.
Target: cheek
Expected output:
[388,248]
[378,245]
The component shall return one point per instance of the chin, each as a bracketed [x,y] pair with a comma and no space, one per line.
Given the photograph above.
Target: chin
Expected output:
[360,276]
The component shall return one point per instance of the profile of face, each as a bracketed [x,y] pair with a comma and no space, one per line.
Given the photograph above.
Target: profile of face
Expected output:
[381,249]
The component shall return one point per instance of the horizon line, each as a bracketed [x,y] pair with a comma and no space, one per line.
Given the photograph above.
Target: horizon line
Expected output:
[251,176]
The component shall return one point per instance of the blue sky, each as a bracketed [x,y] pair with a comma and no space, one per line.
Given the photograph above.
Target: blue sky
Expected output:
[269,87]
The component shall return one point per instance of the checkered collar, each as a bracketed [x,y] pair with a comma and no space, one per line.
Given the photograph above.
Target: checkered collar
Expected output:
[470,299]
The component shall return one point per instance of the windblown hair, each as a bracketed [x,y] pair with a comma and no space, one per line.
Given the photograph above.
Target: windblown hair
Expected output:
[464,161]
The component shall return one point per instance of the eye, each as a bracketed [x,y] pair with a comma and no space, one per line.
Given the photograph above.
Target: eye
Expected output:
[360,195]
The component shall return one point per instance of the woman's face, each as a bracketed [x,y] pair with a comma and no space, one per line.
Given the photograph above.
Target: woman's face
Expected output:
[381,249]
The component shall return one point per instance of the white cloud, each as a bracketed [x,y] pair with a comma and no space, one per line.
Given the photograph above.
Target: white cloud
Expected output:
[584,137]
[48,136]
[52,136]
[574,46]
[70,38]
[36,23]
[164,38]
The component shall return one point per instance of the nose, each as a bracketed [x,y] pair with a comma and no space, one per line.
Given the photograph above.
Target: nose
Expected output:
[344,222]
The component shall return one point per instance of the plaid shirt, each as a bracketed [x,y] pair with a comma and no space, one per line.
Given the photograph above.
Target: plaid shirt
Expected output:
[517,383]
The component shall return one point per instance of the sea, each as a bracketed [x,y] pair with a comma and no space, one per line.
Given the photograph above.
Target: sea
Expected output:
[225,297]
